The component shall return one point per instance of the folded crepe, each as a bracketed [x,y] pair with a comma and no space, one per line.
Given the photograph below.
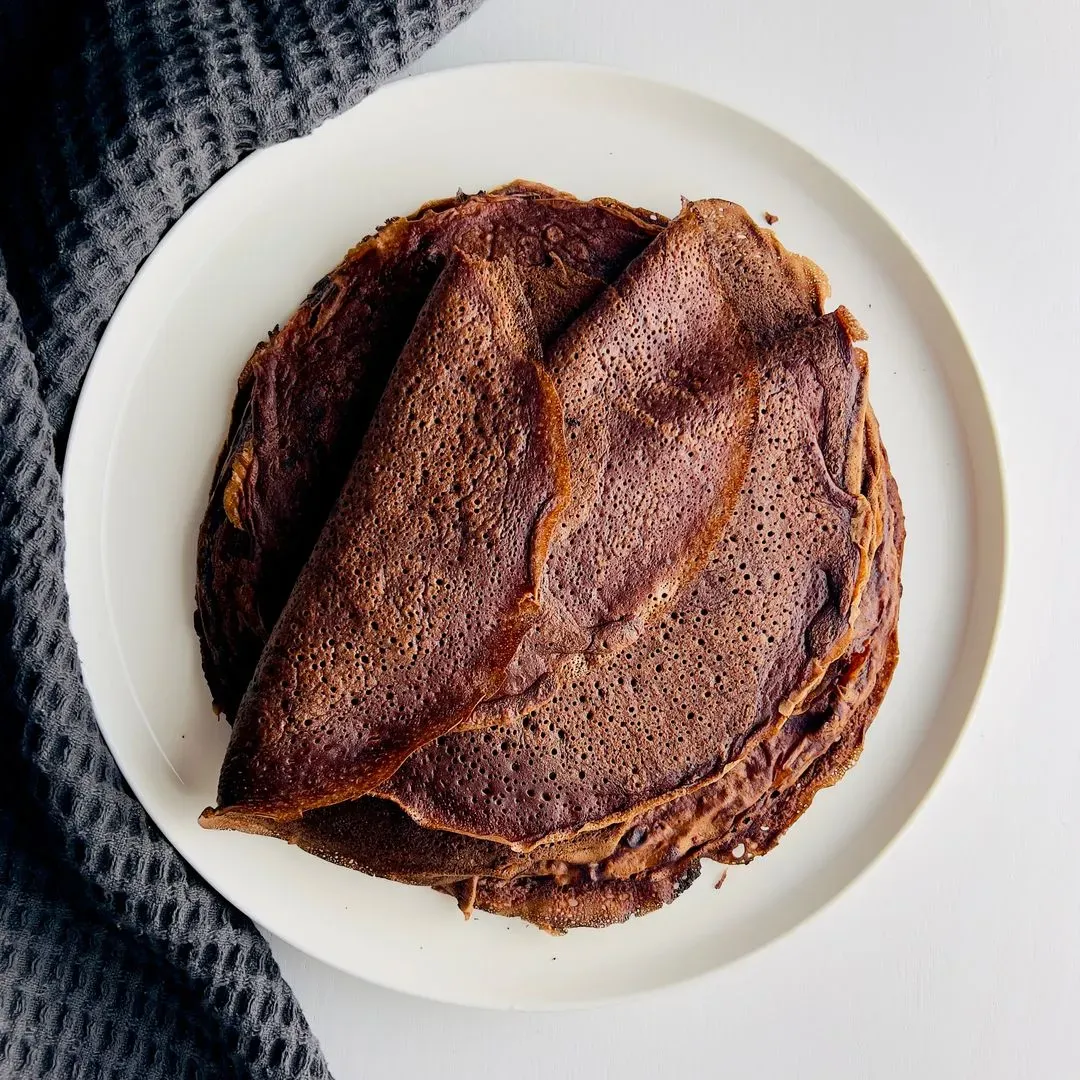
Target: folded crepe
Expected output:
[307,394]
[739,652]
[708,631]
[426,576]
[660,383]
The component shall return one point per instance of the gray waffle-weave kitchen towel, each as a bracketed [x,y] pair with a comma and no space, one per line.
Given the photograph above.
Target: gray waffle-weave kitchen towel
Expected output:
[116,960]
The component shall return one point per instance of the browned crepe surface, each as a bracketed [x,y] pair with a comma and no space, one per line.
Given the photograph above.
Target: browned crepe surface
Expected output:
[752,637]
[660,383]
[426,577]
[307,394]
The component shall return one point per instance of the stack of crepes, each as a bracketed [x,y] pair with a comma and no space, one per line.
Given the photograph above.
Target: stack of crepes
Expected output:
[552,550]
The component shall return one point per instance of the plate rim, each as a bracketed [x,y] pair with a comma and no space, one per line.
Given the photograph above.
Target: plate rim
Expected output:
[994,562]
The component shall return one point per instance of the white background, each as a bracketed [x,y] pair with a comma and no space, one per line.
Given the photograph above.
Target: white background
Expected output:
[958,955]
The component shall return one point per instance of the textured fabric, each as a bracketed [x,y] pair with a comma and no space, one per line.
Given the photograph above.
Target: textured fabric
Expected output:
[116,960]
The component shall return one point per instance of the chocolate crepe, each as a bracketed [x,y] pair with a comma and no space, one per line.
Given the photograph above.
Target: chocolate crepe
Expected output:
[712,625]
[427,574]
[307,394]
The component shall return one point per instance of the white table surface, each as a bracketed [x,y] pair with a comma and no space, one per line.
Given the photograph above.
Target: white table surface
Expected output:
[958,954]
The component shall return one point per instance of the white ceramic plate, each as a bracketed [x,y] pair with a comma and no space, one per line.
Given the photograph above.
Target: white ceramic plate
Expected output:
[153,413]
